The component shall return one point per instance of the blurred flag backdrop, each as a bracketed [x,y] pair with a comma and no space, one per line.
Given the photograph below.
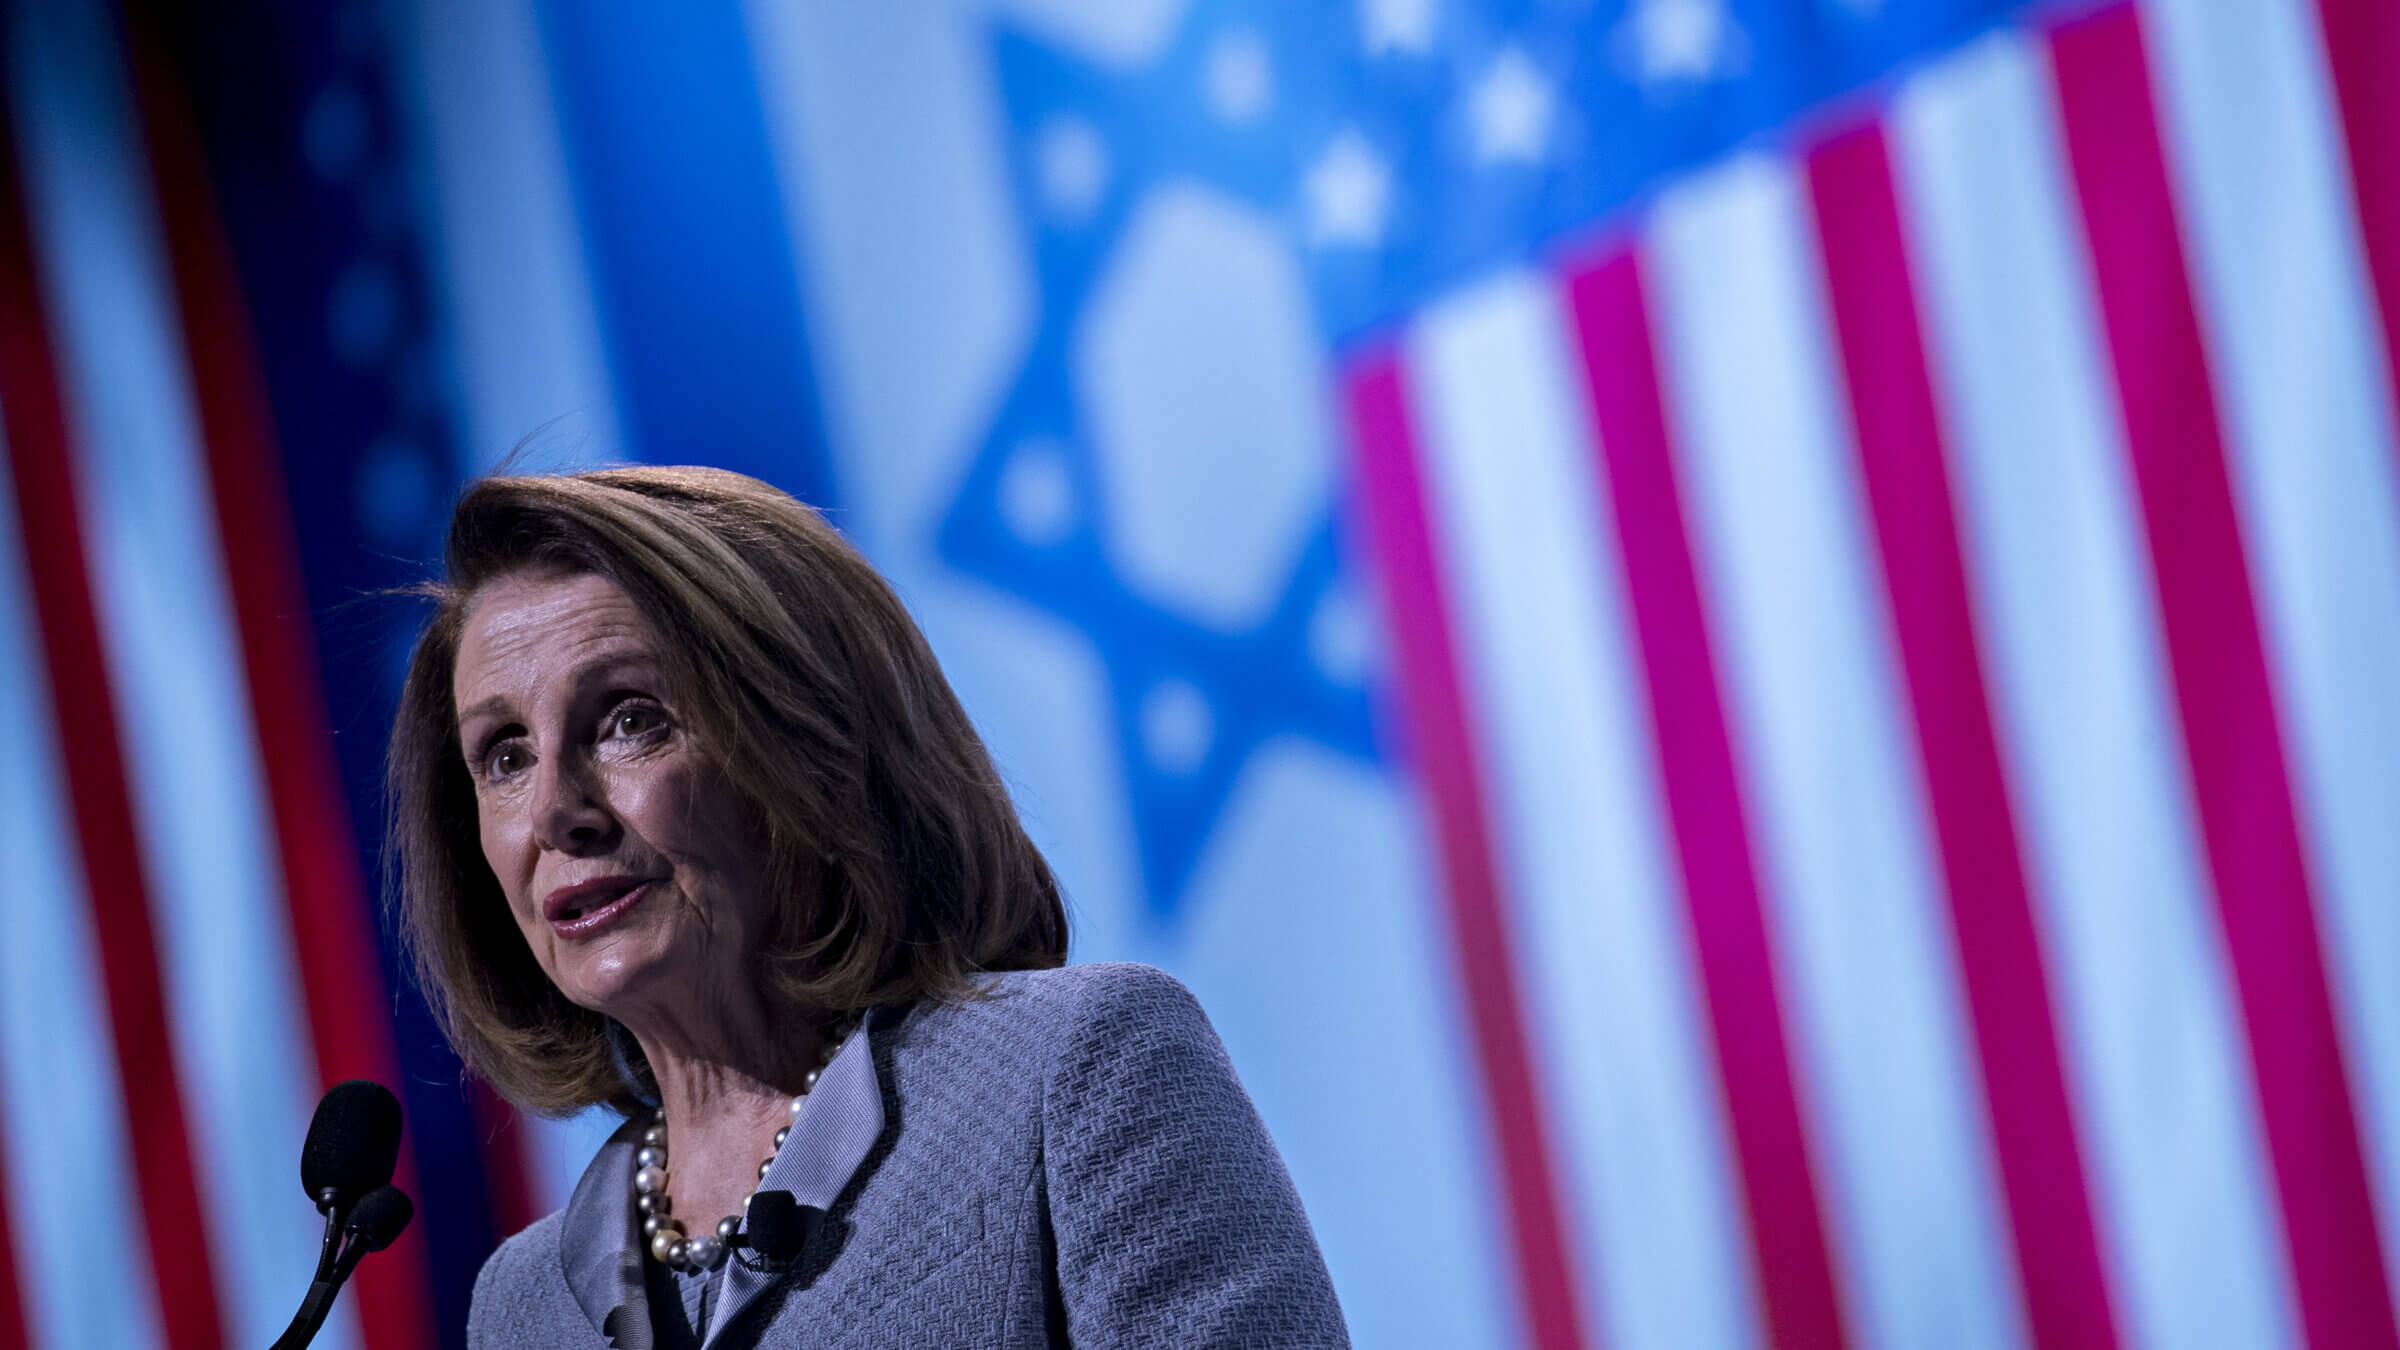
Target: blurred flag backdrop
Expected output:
[1746,647]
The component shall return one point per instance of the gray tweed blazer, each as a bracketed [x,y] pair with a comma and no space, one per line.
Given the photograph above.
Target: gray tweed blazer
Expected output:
[1067,1162]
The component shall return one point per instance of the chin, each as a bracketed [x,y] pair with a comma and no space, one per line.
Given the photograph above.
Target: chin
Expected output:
[607,979]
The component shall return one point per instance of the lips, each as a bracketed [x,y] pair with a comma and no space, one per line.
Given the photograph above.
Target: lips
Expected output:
[587,907]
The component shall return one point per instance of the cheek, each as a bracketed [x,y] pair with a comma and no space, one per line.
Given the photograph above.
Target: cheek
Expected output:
[503,839]
[657,797]
[683,810]
[651,801]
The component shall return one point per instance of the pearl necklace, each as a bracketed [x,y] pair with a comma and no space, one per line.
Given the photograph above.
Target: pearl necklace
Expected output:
[661,1230]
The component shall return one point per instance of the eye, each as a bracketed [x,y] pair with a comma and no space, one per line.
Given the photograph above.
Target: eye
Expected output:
[505,759]
[635,718]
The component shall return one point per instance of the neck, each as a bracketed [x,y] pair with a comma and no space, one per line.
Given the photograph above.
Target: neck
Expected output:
[727,1046]
[725,1096]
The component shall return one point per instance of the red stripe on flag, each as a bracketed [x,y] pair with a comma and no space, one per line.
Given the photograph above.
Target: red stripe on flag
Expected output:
[1712,833]
[1902,461]
[324,892]
[1434,708]
[2362,48]
[13,1330]
[501,1130]
[86,726]
[2232,741]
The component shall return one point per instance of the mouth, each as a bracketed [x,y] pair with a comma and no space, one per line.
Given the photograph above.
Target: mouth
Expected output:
[583,909]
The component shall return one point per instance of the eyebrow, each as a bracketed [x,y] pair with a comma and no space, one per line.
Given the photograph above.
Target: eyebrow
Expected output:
[490,707]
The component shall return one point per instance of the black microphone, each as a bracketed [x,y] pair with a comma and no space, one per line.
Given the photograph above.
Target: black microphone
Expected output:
[353,1143]
[346,1168]
[777,1227]
[376,1219]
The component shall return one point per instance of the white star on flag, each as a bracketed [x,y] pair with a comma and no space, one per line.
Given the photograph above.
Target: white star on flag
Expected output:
[1681,41]
[1396,25]
[1241,76]
[1348,193]
[1509,111]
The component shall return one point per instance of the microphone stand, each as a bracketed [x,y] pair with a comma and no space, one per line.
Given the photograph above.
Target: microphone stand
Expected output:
[333,1268]
[329,1204]
[319,1303]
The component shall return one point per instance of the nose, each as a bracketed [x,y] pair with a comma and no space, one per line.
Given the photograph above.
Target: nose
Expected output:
[570,814]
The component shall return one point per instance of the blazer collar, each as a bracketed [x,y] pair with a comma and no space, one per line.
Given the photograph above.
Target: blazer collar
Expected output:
[832,1137]
[600,1244]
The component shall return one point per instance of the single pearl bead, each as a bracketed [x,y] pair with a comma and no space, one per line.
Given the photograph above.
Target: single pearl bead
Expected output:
[781,1135]
[797,1103]
[655,1136]
[650,1155]
[651,1223]
[704,1252]
[662,1245]
[679,1253]
[762,1168]
[727,1227]
[647,1203]
[746,1201]
[809,1082]
[650,1179]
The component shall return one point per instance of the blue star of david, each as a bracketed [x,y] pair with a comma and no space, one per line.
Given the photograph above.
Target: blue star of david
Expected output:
[1253,685]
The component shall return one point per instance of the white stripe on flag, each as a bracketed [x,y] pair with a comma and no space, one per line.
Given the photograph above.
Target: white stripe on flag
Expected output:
[893,168]
[508,251]
[1820,721]
[557,1151]
[159,588]
[69,1182]
[2281,283]
[2151,1037]
[1389,1041]
[1552,693]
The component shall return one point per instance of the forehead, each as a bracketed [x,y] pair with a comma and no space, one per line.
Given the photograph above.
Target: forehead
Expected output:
[524,629]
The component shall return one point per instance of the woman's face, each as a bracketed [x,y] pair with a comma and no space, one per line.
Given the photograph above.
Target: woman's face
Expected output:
[623,851]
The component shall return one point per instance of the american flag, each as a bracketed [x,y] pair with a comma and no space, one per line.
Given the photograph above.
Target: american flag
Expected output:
[1744,646]
[1883,587]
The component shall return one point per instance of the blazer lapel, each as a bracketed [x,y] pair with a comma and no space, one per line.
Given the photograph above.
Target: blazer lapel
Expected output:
[596,1245]
[836,1130]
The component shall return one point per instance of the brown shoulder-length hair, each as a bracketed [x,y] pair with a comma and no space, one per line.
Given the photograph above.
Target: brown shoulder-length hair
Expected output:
[899,865]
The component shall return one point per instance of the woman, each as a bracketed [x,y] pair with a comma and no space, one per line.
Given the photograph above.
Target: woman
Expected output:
[688,823]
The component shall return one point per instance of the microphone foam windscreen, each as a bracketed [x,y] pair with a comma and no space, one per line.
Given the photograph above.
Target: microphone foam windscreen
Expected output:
[353,1142]
[379,1216]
